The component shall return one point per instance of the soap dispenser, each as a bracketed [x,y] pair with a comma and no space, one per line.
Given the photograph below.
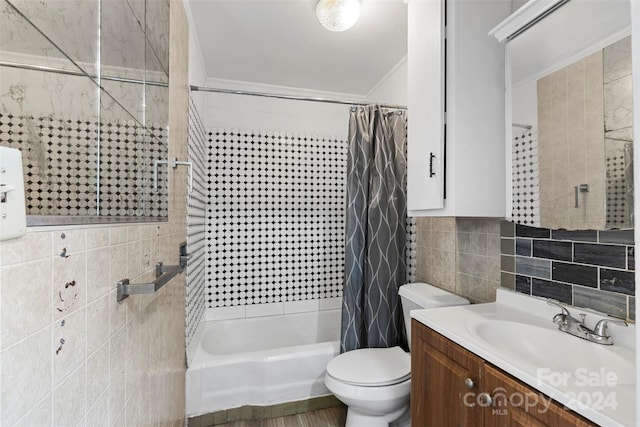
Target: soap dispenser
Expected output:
[13,219]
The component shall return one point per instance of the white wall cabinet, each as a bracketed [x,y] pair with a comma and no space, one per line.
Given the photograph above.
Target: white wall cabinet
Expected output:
[456,99]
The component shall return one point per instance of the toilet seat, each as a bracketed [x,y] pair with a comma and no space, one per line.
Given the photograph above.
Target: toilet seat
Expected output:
[371,367]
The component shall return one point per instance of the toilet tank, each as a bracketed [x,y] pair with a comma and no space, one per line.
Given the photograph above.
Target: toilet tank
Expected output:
[417,296]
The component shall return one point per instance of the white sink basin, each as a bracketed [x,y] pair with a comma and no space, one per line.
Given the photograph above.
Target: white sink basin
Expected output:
[517,335]
[554,352]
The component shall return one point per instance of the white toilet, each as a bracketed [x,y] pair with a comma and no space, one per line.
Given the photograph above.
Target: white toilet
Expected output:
[375,383]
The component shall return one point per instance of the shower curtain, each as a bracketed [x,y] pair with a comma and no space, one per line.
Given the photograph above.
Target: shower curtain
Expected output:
[375,229]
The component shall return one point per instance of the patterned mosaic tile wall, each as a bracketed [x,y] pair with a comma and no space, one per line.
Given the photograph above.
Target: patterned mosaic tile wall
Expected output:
[619,188]
[587,268]
[526,185]
[196,223]
[275,219]
[59,163]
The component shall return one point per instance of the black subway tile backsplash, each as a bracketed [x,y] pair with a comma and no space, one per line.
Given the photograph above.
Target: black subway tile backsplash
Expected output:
[507,229]
[507,263]
[533,267]
[551,249]
[575,273]
[527,231]
[523,284]
[575,236]
[523,246]
[507,280]
[602,255]
[507,246]
[624,237]
[554,290]
[605,302]
[588,268]
[617,281]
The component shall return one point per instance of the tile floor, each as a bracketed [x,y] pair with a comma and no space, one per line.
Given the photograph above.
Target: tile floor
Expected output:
[329,417]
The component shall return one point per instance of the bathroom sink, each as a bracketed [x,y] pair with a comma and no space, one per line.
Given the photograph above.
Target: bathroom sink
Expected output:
[552,352]
[516,334]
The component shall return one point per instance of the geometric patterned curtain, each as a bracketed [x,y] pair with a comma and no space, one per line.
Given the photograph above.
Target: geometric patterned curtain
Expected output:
[375,263]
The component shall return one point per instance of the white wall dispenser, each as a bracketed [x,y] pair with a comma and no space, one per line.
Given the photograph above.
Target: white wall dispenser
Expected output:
[13,219]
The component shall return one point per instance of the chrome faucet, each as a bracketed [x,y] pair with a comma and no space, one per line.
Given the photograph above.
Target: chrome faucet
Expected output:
[569,324]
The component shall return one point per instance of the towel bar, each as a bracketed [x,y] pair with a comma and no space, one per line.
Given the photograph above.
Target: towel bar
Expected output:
[164,274]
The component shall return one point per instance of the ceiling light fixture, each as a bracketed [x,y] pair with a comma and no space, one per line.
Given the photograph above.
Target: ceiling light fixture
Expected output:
[338,15]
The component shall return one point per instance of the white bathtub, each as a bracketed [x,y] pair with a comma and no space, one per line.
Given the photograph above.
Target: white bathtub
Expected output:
[261,360]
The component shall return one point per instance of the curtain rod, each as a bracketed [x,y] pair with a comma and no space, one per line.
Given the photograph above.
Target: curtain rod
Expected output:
[290,97]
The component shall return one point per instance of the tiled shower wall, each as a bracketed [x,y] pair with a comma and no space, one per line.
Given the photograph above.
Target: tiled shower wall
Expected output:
[276,218]
[275,215]
[196,222]
[589,269]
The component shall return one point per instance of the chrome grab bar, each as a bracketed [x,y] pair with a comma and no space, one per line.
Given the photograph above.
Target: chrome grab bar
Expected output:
[164,274]
[174,163]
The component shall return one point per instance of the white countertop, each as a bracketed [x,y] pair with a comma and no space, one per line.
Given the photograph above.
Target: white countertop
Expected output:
[594,380]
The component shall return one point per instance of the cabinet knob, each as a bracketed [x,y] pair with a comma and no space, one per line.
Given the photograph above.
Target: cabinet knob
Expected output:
[469,383]
[484,399]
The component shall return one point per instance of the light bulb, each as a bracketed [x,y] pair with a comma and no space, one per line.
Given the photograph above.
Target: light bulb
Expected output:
[338,15]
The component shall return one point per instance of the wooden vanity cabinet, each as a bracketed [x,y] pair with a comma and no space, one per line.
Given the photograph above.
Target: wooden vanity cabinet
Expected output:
[442,373]
[532,410]
[450,386]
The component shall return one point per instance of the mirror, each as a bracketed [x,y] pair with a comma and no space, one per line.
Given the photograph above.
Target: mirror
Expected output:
[84,96]
[572,118]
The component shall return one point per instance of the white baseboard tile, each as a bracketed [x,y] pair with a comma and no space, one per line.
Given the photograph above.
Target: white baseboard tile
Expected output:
[331,303]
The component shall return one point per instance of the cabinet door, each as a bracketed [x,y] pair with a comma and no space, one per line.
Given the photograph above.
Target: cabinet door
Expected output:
[425,130]
[513,403]
[445,378]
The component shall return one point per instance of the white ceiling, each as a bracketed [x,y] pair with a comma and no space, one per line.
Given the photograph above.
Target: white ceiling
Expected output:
[281,42]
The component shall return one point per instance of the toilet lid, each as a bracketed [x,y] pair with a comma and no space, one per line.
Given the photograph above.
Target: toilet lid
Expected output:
[371,366]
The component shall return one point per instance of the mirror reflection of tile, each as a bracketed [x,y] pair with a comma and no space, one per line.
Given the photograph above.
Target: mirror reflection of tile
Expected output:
[579,107]
[88,109]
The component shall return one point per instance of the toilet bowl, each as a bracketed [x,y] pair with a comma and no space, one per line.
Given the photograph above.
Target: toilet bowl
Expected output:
[375,383]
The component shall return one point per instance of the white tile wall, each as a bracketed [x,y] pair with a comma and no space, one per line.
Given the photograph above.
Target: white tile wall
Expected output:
[71,353]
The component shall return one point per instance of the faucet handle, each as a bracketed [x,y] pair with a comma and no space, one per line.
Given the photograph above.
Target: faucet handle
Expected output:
[602,329]
[558,304]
